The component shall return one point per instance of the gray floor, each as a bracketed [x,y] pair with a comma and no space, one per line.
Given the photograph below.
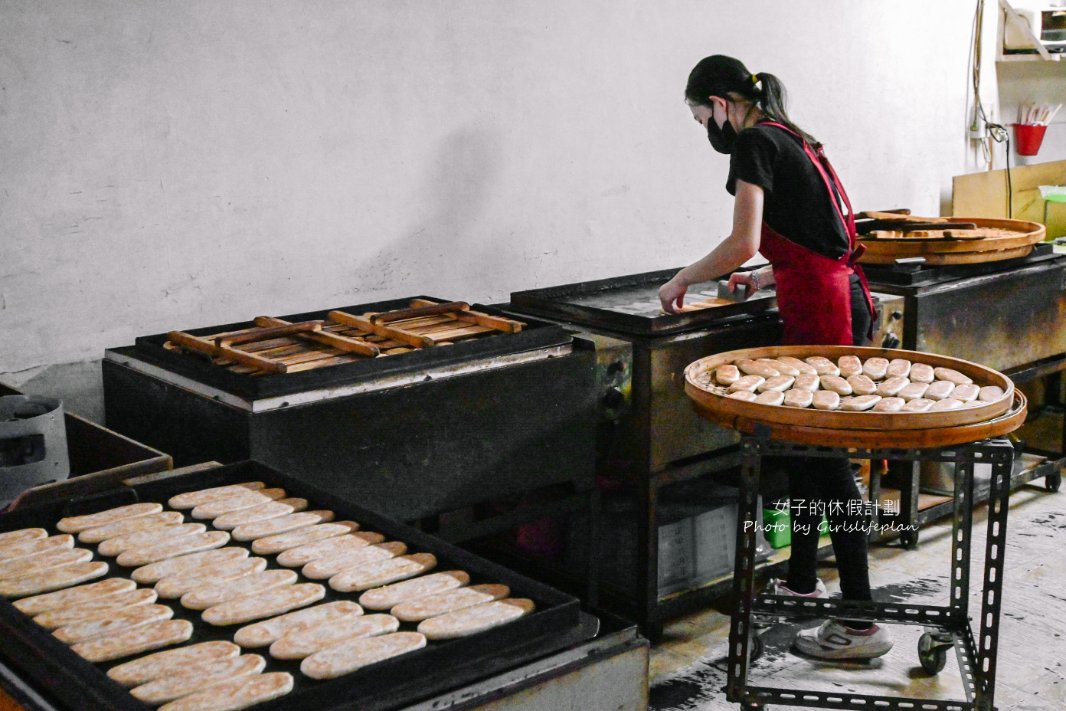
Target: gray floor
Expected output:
[688,669]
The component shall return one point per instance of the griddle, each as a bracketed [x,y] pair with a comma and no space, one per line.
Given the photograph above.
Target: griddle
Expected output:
[536,334]
[77,684]
[630,305]
[917,273]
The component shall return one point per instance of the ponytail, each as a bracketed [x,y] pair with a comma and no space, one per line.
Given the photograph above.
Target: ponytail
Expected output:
[723,76]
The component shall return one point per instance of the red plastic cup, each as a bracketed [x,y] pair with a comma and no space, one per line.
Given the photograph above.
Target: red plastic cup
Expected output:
[1028,137]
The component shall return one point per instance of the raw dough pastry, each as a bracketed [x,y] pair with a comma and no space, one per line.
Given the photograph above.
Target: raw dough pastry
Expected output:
[859,403]
[754,367]
[140,539]
[215,594]
[748,382]
[323,568]
[52,579]
[849,365]
[798,398]
[433,605]
[898,368]
[939,390]
[823,366]
[117,621]
[235,502]
[806,381]
[303,643]
[154,572]
[742,395]
[801,366]
[384,572]
[781,383]
[837,384]
[913,391]
[826,400]
[990,393]
[94,608]
[261,634]
[172,548]
[780,366]
[890,404]
[17,567]
[918,405]
[236,694]
[170,662]
[948,403]
[770,397]
[174,586]
[966,392]
[862,385]
[389,596]
[24,549]
[951,375]
[329,548]
[472,620]
[893,386]
[130,525]
[75,524]
[922,373]
[875,368]
[349,656]
[301,537]
[134,640]
[192,499]
[265,604]
[727,374]
[81,595]
[198,677]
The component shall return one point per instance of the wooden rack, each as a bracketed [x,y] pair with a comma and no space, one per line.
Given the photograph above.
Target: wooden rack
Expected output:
[277,346]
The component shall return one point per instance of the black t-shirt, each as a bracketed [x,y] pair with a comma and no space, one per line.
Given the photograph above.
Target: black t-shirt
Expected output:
[797,204]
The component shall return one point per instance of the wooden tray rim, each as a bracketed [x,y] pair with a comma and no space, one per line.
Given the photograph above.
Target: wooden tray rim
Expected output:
[1034,233]
[839,420]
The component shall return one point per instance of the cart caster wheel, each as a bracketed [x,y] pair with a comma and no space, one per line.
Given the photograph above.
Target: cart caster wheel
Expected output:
[931,656]
[755,707]
[908,538]
[756,650]
[1052,482]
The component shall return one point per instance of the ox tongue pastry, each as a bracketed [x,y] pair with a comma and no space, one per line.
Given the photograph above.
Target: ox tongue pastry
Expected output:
[76,524]
[260,634]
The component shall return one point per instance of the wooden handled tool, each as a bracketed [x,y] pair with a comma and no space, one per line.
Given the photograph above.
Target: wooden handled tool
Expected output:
[265,334]
[437,308]
[482,319]
[341,343]
[397,334]
[202,345]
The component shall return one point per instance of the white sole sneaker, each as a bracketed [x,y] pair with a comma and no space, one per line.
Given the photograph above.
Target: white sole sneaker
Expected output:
[777,587]
[833,640]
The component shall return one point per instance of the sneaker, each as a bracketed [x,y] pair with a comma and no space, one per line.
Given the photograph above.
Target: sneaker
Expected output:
[835,640]
[777,587]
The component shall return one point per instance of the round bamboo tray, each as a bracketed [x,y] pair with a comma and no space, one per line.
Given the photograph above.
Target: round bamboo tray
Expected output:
[713,399]
[873,439]
[936,251]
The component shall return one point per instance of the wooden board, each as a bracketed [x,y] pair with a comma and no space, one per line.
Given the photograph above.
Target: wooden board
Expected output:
[1012,239]
[881,423]
[985,194]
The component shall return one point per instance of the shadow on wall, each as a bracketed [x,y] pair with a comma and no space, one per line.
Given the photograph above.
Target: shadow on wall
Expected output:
[444,242]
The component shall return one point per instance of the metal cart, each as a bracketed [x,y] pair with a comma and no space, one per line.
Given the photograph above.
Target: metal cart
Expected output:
[946,627]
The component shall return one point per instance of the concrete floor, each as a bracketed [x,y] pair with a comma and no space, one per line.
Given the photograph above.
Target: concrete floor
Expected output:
[688,667]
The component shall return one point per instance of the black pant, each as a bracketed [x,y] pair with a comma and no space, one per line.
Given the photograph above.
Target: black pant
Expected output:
[819,485]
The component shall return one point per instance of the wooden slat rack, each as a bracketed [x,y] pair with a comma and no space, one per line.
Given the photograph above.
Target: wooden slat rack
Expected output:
[277,346]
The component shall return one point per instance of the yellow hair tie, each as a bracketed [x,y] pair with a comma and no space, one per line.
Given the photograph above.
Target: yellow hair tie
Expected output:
[754,79]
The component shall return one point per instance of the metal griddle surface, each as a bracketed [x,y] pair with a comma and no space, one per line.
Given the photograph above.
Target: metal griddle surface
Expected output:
[922,275]
[630,304]
[47,663]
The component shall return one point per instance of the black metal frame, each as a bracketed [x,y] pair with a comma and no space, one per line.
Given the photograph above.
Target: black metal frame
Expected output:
[977,657]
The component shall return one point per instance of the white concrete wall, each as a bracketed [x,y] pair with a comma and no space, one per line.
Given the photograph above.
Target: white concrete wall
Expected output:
[185,163]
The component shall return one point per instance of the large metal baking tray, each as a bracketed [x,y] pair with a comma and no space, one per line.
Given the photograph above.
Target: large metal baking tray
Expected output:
[77,684]
[630,305]
[535,335]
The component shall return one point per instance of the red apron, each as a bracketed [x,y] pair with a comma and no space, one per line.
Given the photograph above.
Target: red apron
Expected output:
[814,291]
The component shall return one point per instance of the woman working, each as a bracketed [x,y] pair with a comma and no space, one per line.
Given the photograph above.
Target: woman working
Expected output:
[790,206]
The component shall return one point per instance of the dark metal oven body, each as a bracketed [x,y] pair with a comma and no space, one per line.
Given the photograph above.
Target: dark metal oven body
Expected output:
[409,436]
[74,683]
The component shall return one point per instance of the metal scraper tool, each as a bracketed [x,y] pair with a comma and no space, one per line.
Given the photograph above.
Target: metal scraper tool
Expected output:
[741,294]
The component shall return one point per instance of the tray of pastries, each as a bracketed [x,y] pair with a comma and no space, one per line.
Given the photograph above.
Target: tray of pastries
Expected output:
[849,388]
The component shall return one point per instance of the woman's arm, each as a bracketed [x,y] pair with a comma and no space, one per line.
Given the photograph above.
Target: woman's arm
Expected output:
[737,248]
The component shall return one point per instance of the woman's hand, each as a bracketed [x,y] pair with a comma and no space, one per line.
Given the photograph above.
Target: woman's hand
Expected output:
[746,279]
[672,295]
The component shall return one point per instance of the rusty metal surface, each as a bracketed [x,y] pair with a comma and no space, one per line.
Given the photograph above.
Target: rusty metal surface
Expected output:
[1002,320]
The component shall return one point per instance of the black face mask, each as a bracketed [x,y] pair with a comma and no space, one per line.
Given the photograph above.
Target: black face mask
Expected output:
[722,139]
